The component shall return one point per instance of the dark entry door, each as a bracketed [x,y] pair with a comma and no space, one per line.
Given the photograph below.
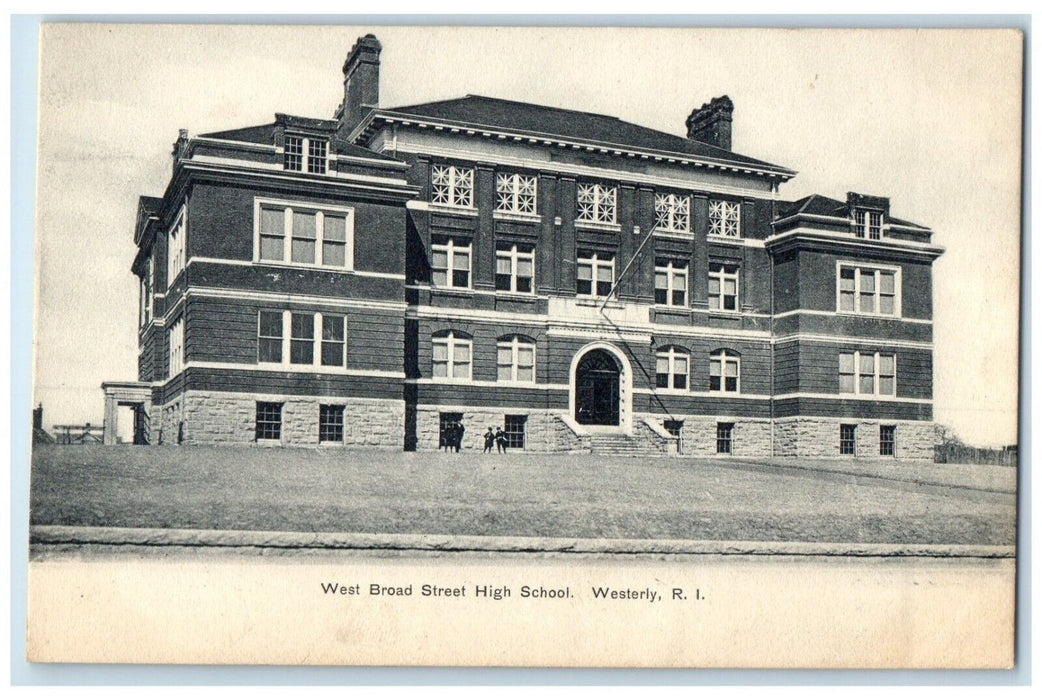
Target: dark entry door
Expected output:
[597,389]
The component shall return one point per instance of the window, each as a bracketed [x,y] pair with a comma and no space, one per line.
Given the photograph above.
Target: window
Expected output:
[867,373]
[303,345]
[450,264]
[670,282]
[671,368]
[330,423]
[868,224]
[887,440]
[317,150]
[673,212]
[515,193]
[146,293]
[269,421]
[724,218]
[596,204]
[451,357]
[847,439]
[315,236]
[724,371]
[515,267]
[514,427]
[176,344]
[515,360]
[723,287]
[724,438]
[175,251]
[452,186]
[445,422]
[866,290]
[594,274]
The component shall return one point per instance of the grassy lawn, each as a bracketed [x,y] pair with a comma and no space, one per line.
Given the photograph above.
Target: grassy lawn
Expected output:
[531,495]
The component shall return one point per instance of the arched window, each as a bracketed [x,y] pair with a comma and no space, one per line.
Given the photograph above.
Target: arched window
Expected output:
[515,359]
[725,371]
[451,354]
[671,367]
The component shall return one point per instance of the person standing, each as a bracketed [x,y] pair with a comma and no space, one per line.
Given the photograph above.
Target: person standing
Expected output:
[459,435]
[490,439]
[501,440]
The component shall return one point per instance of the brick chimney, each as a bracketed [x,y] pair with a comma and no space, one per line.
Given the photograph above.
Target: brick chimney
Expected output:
[361,84]
[179,146]
[711,123]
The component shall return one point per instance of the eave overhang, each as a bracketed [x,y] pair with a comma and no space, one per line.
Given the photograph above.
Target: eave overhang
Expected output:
[803,239]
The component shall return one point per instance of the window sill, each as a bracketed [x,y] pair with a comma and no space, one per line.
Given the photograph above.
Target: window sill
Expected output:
[302,266]
[515,296]
[451,209]
[598,301]
[598,226]
[517,216]
[453,291]
[671,233]
[671,392]
[671,307]
[450,380]
[726,240]
[313,369]
[724,313]
[857,314]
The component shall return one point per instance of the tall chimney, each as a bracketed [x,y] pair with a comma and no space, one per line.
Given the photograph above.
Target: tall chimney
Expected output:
[711,123]
[361,84]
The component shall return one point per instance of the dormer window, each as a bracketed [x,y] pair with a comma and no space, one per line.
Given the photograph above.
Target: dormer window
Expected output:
[306,150]
[868,224]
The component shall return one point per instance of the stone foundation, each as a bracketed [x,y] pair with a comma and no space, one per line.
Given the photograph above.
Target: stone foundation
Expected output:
[819,437]
[544,430]
[218,418]
[749,438]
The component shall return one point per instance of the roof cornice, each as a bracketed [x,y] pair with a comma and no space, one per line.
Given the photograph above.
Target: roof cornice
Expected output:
[368,125]
[802,237]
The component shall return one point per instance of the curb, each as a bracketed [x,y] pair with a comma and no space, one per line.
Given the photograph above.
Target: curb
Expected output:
[162,537]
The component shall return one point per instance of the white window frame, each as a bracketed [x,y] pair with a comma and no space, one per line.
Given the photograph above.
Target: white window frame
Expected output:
[514,345]
[719,272]
[458,186]
[514,255]
[452,248]
[176,346]
[868,224]
[726,357]
[671,268]
[595,262]
[877,269]
[876,373]
[147,294]
[673,213]
[672,354]
[725,218]
[305,153]
[320,211]
[176,246]
[602,200]
[451,341]
[286,364]
[514,192]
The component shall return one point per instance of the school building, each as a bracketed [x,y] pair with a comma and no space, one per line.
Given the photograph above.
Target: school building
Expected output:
[589,284]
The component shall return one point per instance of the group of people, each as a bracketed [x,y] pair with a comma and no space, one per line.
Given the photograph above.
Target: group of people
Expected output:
[452,438]
[497,438]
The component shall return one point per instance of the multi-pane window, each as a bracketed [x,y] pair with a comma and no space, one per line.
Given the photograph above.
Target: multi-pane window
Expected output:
[515,267]
[175,252]
[867,373]
[452,186]
[673,212]
[450,263]
[887,440]
[303,345]
[670,282]
[515,360]
[724,218]
[295,148]
[515,193]
[671,368]
[596,204]
[176,345]
[330,423]
[867,290]
[305,235]
[446,423]
[514,427]
[868,224]
[146,293]
[269,420]
[594,274]
[723,287]
[724,438]
[450,357]
[847,439]
[724,371]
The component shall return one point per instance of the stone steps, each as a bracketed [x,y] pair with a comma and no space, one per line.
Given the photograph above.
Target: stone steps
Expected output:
[625,446]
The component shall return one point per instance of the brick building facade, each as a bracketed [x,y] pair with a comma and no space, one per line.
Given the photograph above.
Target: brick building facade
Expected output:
[587,283]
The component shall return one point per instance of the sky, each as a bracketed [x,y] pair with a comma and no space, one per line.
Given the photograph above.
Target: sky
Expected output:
[930,118]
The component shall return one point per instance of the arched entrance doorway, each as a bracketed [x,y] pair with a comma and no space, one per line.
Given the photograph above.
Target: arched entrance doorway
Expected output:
[597,378]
